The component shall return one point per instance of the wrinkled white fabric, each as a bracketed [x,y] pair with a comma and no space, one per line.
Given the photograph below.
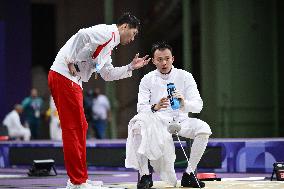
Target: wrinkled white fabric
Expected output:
[156,144]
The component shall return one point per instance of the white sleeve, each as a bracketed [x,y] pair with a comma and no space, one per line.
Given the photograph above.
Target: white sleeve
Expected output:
[193,102]
[91,35]
[110,73]
[144,96]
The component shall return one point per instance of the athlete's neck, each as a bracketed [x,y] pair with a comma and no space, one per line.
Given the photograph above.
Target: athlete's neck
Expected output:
[168,72]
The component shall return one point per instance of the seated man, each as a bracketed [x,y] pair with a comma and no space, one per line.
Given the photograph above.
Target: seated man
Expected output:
[148,138]
[13,123]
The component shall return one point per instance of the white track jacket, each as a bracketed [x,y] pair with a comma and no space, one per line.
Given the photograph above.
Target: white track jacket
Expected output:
[90,50]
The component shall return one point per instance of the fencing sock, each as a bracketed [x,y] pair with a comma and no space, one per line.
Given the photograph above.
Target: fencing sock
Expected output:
[197,150]
[142,160]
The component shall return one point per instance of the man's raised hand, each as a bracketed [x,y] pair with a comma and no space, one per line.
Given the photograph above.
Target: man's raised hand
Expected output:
[139,62]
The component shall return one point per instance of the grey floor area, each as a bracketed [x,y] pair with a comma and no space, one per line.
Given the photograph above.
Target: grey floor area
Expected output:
[16,177]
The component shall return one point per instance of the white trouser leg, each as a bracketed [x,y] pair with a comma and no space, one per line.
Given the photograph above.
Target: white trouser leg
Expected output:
[22,132]
[197,150]
[142,160]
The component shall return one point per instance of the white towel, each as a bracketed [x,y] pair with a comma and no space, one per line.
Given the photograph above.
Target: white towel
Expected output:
[156,144]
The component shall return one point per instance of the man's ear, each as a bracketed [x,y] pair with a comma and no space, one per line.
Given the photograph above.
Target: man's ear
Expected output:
[173,58]
[125,25]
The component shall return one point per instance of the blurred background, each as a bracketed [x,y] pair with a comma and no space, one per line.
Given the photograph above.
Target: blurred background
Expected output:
[233,48]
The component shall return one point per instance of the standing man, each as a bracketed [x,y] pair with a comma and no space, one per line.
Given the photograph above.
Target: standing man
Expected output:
[148,136]
[32,106]
[85,53]
[100,113]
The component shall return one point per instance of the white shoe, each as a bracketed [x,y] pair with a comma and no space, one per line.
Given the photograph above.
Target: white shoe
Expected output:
[95,183]
[78,186]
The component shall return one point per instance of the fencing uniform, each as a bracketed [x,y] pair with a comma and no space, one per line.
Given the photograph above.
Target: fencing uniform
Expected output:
[90,51]
[152,88]
[15,128]
[100,109]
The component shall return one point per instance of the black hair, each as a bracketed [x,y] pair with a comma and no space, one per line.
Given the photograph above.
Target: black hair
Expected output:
[130,19]
[160,46]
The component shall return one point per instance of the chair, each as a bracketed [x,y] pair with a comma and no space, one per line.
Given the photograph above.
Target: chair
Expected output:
[3,133]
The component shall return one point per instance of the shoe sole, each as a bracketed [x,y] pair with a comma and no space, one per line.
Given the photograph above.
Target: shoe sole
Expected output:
[145,187]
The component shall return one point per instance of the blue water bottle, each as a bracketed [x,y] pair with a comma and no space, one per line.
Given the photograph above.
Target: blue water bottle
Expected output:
[174,101]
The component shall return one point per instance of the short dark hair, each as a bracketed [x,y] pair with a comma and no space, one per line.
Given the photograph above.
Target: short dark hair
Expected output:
[160,46]
[130,19]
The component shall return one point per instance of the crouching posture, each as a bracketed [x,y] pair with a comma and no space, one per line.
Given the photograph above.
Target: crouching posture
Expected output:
[148,132]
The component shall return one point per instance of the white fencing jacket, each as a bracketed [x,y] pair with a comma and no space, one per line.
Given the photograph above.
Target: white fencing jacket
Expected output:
[153,87]
[90,50]
[13,123]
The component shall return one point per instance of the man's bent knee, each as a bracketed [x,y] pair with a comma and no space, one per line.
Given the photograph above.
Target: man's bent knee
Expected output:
[204,129]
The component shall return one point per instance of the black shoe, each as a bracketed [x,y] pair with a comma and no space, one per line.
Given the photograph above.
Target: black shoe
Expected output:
[190,181]
[145,182]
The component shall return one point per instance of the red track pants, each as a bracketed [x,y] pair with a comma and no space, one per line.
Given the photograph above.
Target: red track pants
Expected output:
[68,98]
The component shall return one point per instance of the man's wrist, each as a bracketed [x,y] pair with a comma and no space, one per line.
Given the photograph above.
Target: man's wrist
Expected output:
[130,67]
[153,108]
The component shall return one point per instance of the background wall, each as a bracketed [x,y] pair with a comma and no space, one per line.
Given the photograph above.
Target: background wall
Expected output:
[15,55]
[240,64]
[234,51]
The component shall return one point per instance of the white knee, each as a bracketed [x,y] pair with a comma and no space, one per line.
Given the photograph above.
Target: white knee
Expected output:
[203,136]
[204,129]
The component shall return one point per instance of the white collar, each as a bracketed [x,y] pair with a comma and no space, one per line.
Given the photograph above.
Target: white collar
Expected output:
[116,35]
[165,76]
